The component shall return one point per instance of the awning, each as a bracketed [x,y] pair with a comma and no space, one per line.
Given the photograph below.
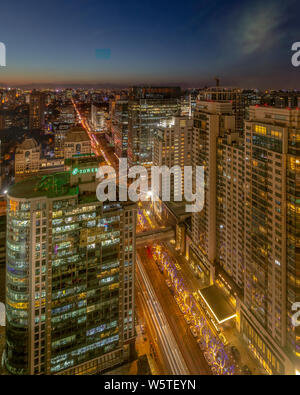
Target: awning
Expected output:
[217,304]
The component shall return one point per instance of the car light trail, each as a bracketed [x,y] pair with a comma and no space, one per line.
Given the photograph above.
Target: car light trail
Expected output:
[164,333]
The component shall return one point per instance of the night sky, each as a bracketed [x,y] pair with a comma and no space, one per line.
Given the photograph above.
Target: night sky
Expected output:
[246,43]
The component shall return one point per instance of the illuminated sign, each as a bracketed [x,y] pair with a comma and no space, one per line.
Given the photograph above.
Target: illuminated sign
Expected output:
[84,171]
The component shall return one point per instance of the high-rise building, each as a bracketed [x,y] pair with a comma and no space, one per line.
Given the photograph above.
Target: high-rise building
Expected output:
[60,132]
[119,127]
[147,107]
[173,147]
[70,275]
[245,238]
[272,265]
[36,110]
[67,115]
[211,120]
[238,98]
[99,115]
[230,206]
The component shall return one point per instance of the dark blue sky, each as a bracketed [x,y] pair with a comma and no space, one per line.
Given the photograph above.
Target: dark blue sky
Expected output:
[246,43]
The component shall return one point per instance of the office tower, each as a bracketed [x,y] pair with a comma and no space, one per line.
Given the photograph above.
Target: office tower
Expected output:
[230,207]
[70,275]
[281,99]
[271,239]
[60,132]
[173,147]
[147,107]
[99,116]
[67,115]
[76,142]
[119,127]
[27,159]
[211,120]
[236,96]
[65,121]
[36,110]
[186,105]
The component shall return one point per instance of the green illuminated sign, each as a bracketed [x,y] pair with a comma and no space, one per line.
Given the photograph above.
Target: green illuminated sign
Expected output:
[76,171]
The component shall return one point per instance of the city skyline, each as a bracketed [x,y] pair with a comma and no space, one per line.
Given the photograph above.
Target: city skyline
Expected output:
[118,45]
[149,190]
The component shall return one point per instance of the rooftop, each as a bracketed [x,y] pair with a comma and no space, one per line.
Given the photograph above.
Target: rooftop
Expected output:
[28,143]
[52,185]
[76,134]
[217,303]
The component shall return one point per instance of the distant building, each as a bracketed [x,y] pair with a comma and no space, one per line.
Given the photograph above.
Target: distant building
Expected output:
[76,142]
[173,147]
[120,128]
[30,162]
[99,116]
[60,132]
[27,159]
[147,107]
[67,115]
[36,110]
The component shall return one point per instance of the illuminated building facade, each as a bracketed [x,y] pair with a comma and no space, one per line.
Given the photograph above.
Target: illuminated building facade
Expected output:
[70,276]
[230,206]
[246,234]
[237,97]
[120,128]
[36,110]
[147,107]
[27,159]
[99,115]
[211,120]
[272,274]
[173,147]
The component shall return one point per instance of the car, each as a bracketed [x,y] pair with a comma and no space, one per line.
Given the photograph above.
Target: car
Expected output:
[246,370]
[194,331]
[187,319]
[235,353]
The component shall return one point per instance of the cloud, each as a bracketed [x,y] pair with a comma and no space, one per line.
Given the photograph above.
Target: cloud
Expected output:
[259,27]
